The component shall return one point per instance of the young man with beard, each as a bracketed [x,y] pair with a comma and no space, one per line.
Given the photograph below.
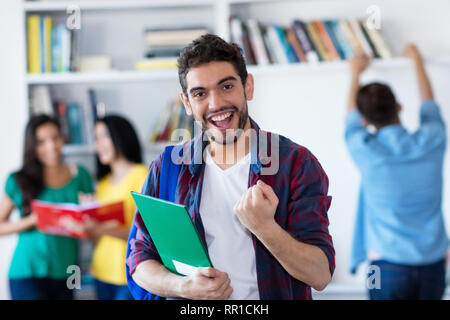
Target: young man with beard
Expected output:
[266,230]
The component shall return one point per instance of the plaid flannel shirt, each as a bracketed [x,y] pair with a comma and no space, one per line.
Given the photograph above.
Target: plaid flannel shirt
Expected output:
[301,186]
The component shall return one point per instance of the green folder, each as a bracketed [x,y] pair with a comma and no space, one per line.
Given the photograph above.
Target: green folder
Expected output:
[175,237]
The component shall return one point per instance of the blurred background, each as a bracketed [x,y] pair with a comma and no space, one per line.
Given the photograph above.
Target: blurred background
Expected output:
[76,58]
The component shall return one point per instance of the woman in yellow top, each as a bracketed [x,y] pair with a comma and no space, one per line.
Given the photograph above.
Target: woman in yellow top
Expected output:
[119,171]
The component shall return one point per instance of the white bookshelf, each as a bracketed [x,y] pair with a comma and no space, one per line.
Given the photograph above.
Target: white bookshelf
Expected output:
[101,77]
[171,74]
[48,6]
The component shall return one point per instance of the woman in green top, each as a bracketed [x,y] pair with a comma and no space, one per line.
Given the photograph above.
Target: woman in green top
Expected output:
[39,265]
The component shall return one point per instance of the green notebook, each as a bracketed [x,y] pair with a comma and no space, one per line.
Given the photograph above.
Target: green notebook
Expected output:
[173,233]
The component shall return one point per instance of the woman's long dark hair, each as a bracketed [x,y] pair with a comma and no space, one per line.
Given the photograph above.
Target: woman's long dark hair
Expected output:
[124,139]
[30,177]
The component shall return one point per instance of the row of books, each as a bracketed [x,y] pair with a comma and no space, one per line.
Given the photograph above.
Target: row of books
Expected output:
[164,45]
[172,117]
[313,41]
[77,123]
[50,48]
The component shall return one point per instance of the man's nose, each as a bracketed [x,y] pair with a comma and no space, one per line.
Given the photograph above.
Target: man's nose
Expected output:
[215,101]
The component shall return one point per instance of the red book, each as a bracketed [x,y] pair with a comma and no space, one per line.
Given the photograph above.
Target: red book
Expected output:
[65,219]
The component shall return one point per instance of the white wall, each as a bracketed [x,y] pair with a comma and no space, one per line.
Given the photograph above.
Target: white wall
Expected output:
[12,112]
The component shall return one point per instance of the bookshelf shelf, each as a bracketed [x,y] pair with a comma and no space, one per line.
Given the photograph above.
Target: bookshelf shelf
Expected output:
[100,77]
[171,74]
[48,6]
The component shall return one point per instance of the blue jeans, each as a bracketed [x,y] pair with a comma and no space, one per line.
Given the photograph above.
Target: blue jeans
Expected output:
[108,291]
[39,289]
[405,282]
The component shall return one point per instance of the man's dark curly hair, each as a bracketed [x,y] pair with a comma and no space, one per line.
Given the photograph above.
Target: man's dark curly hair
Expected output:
[376,103]
[208,48]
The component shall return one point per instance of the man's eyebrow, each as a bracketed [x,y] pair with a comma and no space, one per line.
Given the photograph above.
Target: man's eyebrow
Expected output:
[220,82]
[195,89]
[227,79]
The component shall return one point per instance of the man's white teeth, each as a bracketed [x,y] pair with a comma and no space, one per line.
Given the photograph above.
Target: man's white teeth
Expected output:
[222,117]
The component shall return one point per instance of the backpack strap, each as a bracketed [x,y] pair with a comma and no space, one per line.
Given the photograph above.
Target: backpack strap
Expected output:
[167,188]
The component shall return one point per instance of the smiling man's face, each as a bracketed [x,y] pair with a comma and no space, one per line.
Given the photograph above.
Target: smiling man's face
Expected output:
[218,100]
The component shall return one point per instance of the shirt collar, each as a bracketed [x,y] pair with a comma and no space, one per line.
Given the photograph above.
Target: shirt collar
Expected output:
[259,155]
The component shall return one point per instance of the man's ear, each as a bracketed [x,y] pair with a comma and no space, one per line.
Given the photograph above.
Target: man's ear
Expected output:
[187,105]
[249,86]
[399,107]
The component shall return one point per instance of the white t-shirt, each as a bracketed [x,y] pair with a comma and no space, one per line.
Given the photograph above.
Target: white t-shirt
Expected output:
[230,244]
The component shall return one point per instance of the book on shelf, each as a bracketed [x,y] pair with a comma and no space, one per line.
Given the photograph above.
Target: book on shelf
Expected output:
[164,45]
[356,27]
[326,40]
[76,121]
[157,63]
[50,47]
[304,39]
[318,42]
[172,117]
[239,35]
[295,43]
[307,41]
[65,219]
[257,42]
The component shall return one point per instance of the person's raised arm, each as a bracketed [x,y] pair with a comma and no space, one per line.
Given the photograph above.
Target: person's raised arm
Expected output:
[426,91]
[358,64]
[8,227]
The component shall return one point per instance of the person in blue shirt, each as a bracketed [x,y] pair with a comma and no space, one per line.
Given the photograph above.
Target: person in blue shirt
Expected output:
[399,224]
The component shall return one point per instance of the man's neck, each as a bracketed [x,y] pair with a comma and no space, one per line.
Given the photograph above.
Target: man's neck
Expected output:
[227,155]
[393,122]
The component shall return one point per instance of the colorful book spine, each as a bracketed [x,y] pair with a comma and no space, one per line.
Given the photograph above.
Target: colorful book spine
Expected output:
[379,42]
[47,47]
[34,44]
[326,40]
[350,36]
[305,42]
[331,33]
[270,48]
[65,49]
[275,41]
[318,43]
[74,118]
[257,42]
[354,24]
[344,44]
[56,49]
[290,36]
[369,40]
[287,48]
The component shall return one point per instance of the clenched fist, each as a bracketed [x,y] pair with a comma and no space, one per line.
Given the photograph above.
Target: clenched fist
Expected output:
[257,206]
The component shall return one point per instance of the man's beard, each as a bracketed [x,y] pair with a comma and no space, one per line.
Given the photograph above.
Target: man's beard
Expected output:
[234,134]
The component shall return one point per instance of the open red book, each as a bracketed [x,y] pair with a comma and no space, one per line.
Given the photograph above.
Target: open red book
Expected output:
[64,219]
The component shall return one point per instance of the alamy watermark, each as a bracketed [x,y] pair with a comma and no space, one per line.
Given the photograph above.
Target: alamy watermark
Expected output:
[373,280]
[373,20]
[74,279]
[73,21]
